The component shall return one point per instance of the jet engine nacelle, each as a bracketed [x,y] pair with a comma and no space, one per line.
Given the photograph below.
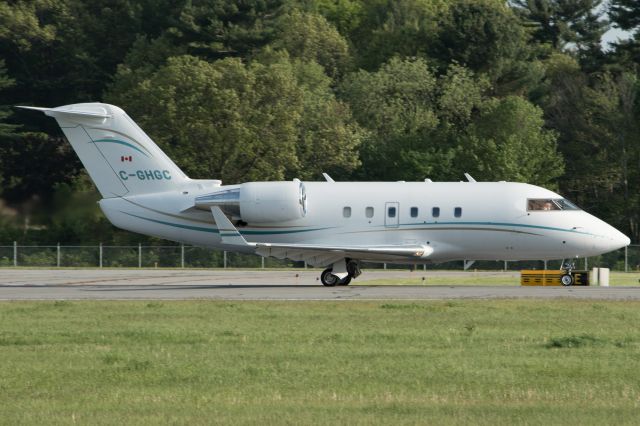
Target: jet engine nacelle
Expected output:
[259,202]
[262,202]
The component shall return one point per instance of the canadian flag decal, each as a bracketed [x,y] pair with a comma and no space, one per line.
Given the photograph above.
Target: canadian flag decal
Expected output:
[126,158]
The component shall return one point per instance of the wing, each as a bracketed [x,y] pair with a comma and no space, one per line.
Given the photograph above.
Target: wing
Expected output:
[318,254]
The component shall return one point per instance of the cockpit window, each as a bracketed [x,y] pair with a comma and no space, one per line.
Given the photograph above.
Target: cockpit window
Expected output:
[548,204]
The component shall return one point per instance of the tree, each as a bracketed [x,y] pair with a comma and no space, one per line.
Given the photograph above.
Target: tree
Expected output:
[395,105]
[573,25]
[508,141]
[426,126]
[486,37]
[311,38]
[241,122]
[403,28]
[216,29]
[625,14]
[6,130]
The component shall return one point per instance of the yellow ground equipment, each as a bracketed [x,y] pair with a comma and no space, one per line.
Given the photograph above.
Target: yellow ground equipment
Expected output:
[559,277]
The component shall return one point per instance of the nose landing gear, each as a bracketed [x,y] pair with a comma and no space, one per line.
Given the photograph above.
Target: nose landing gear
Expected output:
[567,278]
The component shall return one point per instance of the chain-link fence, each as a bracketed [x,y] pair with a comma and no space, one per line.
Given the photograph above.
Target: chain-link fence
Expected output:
[181,256]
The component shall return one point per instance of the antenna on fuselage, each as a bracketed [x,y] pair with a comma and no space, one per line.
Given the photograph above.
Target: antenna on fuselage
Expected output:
[469,177]
[327,177]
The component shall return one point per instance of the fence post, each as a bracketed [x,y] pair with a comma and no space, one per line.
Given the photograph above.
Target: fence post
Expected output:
[15,253]
[505,265]
[626,259]
[101,255]
[384,265]
[586,264]
[262,262]
[545,265]
[224,260]
[58,255]
[139,255]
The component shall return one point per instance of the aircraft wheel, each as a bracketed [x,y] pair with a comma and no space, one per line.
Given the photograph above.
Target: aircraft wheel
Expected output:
[566,280]
[328,279]
[345,281]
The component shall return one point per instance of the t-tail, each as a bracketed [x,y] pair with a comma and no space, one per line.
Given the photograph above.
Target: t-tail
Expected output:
[120,158]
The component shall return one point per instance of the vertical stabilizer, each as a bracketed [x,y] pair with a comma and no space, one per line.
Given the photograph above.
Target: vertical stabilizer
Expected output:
[120,158]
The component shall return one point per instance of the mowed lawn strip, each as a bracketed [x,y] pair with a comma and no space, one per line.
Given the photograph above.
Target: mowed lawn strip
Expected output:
[456,362]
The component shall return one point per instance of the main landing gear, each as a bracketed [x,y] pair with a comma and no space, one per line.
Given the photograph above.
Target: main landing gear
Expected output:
[352,271]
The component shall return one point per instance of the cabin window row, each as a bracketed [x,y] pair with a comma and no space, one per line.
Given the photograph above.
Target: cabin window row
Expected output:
[391,212]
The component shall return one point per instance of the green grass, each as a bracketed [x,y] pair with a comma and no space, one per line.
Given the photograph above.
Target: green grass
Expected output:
[445,362]
[498,278]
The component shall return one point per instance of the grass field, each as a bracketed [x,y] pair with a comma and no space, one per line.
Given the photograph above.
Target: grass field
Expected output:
[467,362]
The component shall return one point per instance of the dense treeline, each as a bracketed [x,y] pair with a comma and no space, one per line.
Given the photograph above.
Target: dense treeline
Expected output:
[362,89]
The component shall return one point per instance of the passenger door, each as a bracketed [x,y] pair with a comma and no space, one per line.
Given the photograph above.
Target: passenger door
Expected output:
[392,214]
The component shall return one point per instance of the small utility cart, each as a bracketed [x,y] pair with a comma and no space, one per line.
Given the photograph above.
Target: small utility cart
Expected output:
[559,277]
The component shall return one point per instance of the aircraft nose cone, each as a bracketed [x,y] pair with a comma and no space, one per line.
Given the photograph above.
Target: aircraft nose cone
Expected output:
[624,240]
[619,240]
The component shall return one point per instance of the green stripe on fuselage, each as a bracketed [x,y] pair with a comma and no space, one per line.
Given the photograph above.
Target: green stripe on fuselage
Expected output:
[118,141]
[515,225]
[216,231]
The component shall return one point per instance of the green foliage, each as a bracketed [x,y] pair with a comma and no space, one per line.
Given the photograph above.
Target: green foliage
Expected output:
[486,37]
[421,125]
[242,122]
[311,38]
[362,89]
[405,28]
[508,141]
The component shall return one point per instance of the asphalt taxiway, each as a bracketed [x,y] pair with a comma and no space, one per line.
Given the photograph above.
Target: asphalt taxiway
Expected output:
[145,284]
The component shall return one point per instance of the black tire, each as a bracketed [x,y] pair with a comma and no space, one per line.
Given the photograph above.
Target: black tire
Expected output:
[345,281]
[328,279]
[566,280]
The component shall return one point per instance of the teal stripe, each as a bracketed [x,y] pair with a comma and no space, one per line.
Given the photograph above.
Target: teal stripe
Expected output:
[175,225]
[516,225]
[294,231]
[122,143]
[215,231]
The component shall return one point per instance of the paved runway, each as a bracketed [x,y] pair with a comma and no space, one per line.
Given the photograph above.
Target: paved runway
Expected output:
[132,284]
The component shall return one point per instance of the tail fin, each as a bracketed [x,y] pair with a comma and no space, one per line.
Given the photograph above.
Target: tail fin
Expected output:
[120,158]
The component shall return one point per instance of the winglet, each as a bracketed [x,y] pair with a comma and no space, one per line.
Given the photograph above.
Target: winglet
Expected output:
[229,233]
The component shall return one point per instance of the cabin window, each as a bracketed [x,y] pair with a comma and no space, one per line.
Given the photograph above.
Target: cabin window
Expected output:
[457,212]
[549,204]
[414,212]
[391,212]
[346,212]
[368,212]
[435,212]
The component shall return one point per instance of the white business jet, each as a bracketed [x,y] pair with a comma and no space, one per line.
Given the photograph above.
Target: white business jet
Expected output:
[329,224]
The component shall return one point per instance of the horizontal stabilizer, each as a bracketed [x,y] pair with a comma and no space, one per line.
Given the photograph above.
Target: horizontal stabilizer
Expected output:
[52,112]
